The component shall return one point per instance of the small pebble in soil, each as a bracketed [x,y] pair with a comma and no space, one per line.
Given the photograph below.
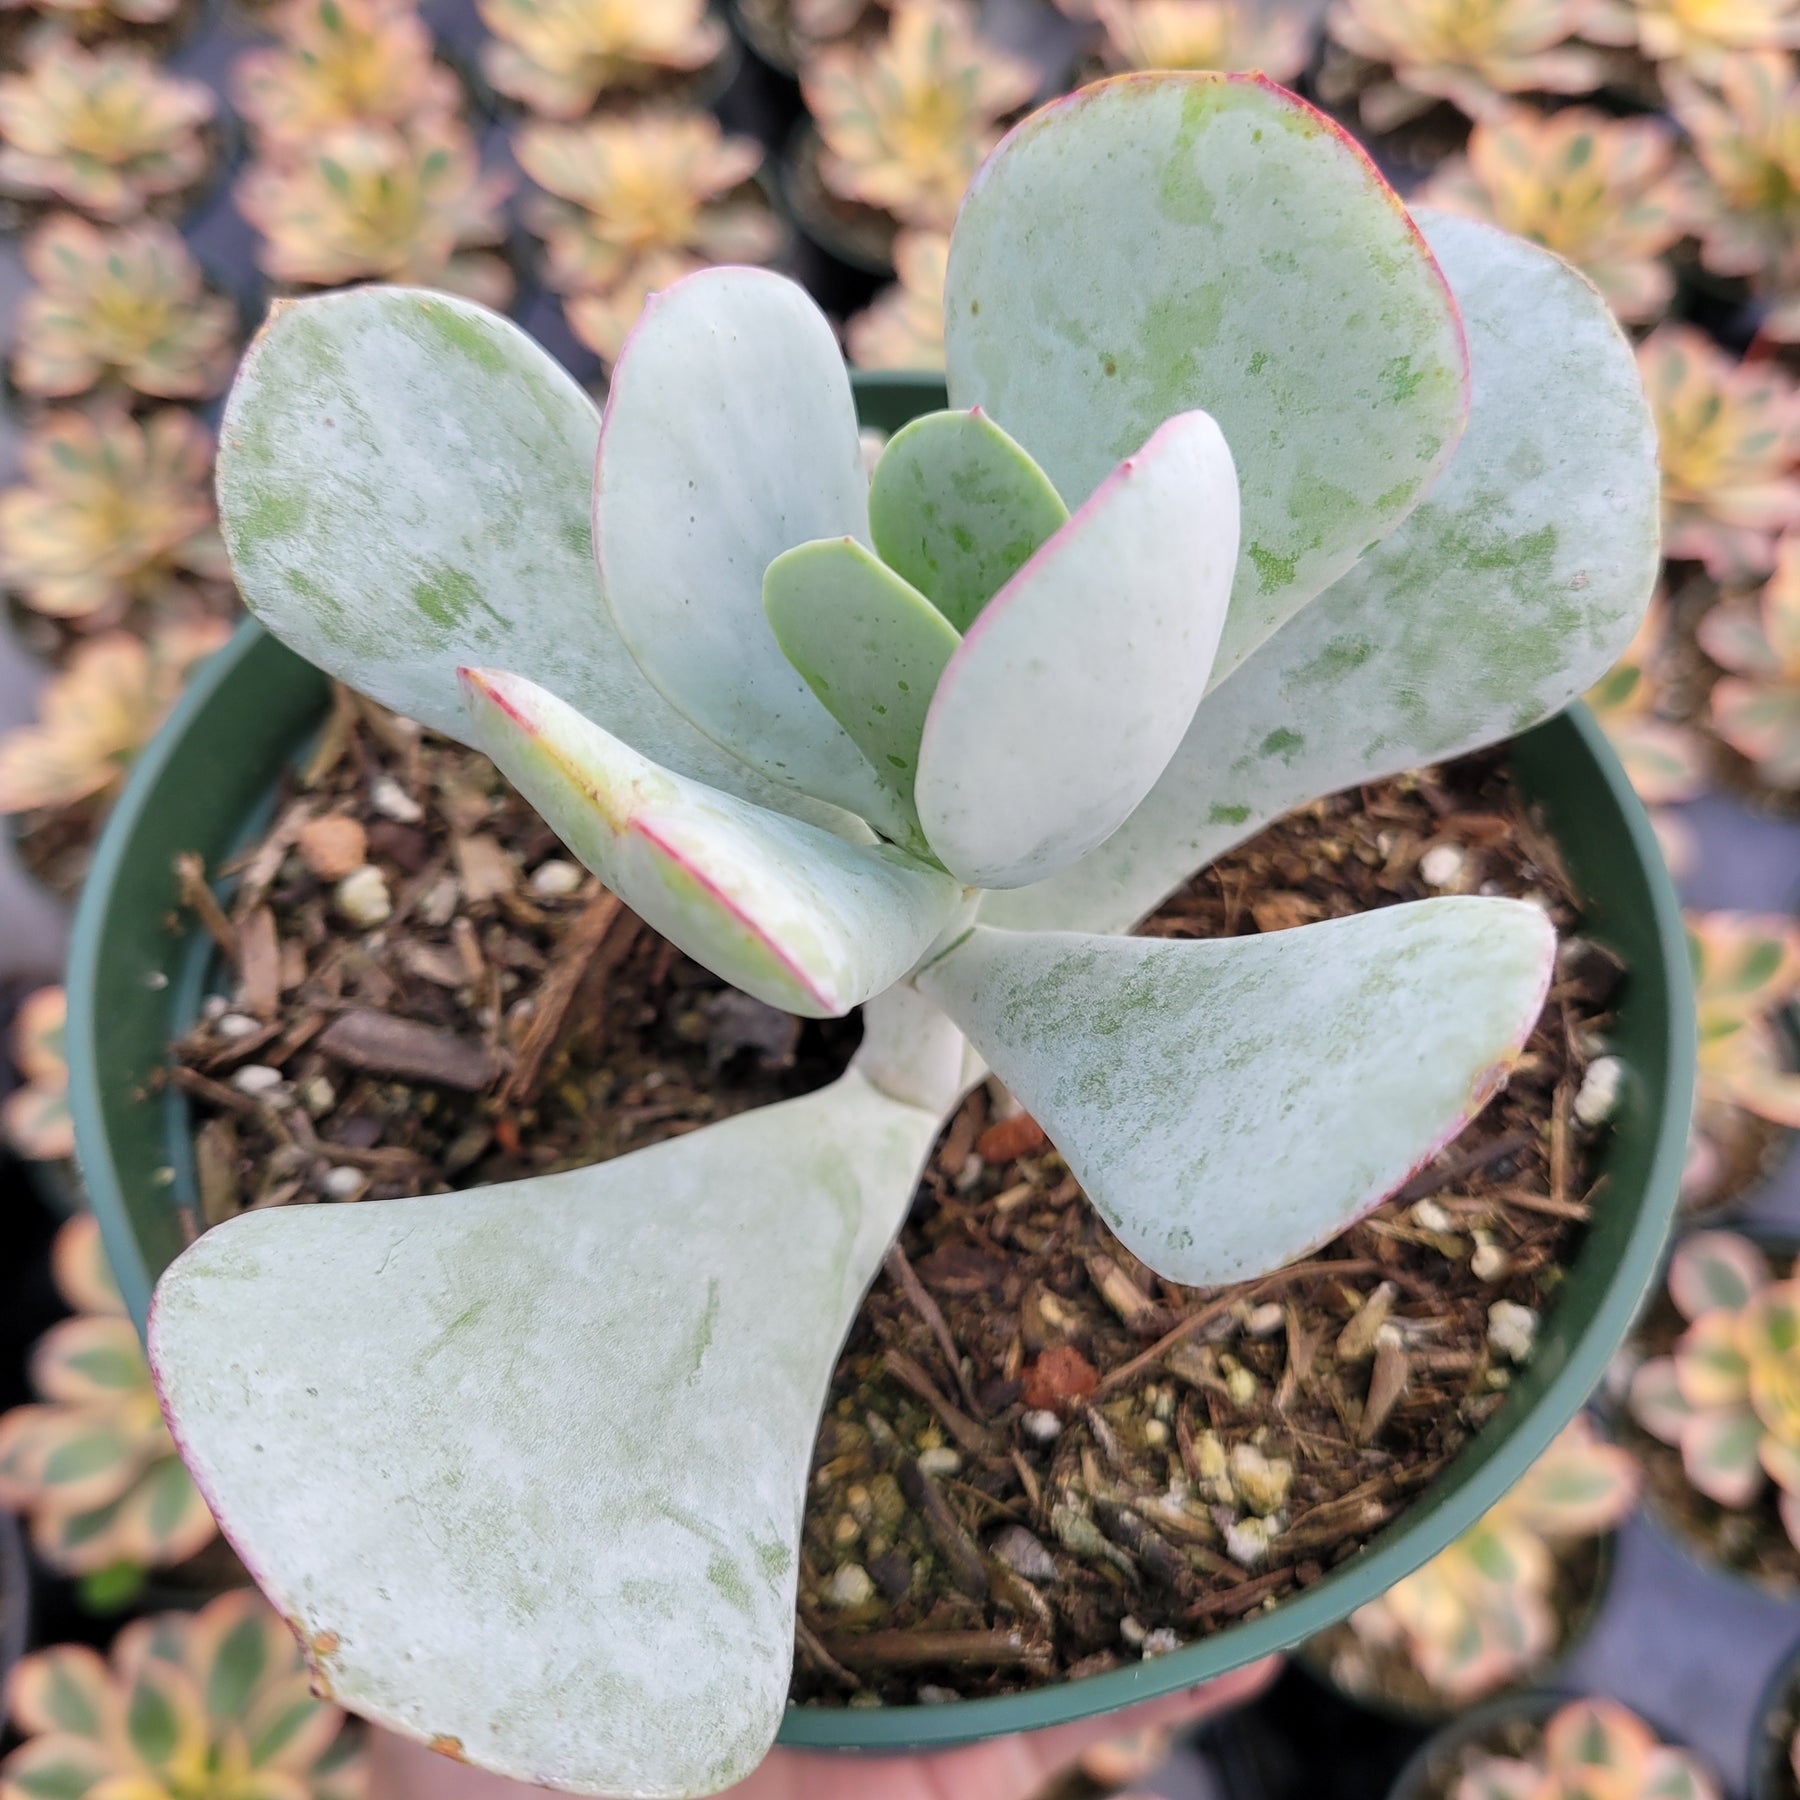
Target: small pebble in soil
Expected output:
[930,1694]
[556,879]
[1132,1633]
[1429,1216]
[1512,1329]
[1247,1541]
[1024,1554]
[1442,866]
[940,1461]
[256,1078]
[392,801]
[1597,1099]
[1261,1482]
[1265,1320]
[332,846]
[1488,1262]
[1160,1642]
[318,1096]
[342,1182]
[849,1586]
[362,897]
[235,1025]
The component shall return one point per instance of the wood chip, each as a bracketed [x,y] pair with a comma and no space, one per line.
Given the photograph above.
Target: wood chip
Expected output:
[947,1649]
[1387,1382]
[1356,1342]
[1009,1139]
[483,869]
[203,903]
[1136,1310]
[405,1050]
[215,1170]
[259,963]
[578,955]
[332,846]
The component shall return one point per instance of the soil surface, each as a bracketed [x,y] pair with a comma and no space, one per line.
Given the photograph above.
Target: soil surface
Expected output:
[1038,1460]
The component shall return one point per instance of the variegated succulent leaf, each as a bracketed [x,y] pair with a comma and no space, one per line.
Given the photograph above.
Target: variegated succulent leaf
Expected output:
[1746,968]
[1158,243]
[1515,585]
[471,1355]
[1178,1077]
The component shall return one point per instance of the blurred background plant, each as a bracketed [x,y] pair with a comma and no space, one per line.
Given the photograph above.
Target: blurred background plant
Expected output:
[35,1118]
[557,57]
[1587,1749]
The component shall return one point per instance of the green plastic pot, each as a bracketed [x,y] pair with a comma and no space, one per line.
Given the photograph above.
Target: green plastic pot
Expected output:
[138,968]
[1430,1770]
[1777,1715]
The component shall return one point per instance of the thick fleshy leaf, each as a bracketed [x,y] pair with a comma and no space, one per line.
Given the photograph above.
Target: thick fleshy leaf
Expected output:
[1657,1402]
[404,484]
[1709,1363]
[1511,589]
[958,508]
[62,1689]
[568,1419]
[777,907]
[730,436]
[1597,1734]
[1781,1463]
[1671,1774]
[82,1274]
[60,1767]
[868,644]
[1162,242]
[91,1360]
[1579,1487]
[1769,1331]
[1718,1451]
[1223,1102]
[1715,1269]
[1077,683]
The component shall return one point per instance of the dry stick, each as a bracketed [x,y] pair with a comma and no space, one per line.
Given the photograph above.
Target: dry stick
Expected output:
[974,1438]
[905,1277]
[1240,1598]
[1214,1309]
[813,1647]
[1559,1143]
[1578,1210]
[556,993]
[190,871]
[967,1568]
[953,1649]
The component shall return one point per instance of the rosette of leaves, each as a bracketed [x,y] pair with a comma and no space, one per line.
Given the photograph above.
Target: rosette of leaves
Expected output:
[1473,53]
[381,202]
[1590,1748]
[214,1703]
[558,56]
[102,130]
[113,511]
[1746,971]
[1604,193]
[1756,707]
[120,306]
[639,200]
[91,19]
[340,62]
[35,1119]
[97,713]
[91,1464]
[1481,1615]
[1202,34]
[1745,128]
[906,120]
[1729,434]
[1728,1397]
[853,743]
[1695,34]
[903,327]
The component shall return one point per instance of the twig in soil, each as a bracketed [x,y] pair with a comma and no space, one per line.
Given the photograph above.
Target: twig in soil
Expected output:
[1240,1598]
[1545,1203]
[1137,1311]
[946,1649]
[1433,1181]
[561,981]
[385,1044]
[190,872]
[968,1568]
[1387,1382]
[1559,1142]
[813,1649]
[905,1277]
[214,1093]
[972,1437]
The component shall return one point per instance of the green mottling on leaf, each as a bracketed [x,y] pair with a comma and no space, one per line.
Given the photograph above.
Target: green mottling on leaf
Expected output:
[723,1574]
[472,337]
[703,1334]
[1273,571]
[448,596]
[1260,360]
[1400,379]
[1222,814]
[1283,743]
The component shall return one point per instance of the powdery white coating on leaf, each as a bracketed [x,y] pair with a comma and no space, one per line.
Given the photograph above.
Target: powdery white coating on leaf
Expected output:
[777,907]
[1076,684]
[1229,1103]
[730,436]
[1161,242]
[532,1458]
[1512,588]
[404,486]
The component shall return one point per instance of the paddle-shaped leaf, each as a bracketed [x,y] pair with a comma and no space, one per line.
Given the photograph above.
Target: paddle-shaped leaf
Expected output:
[958,508]
[1656,1400]
[1162,242]
[776,906]
[1718,1451]
[561,1430]
[869,645]
[729,437]
[1712,1269]
[1076,684]
[1229,1103]
[1511,589]
[404,484]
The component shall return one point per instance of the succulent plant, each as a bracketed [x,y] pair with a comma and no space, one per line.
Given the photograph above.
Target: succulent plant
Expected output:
[1746,969]
[1473,53]
[92,1465]
[212,1703]
[340,62]
[97,18]
[1730,435]
[907,120]
[1756,707]
[102,130]
[1602,192]
[120,305]
[1745,127]
[1696,34]
[558,56]
[1590,1748]
[112,511]
[35,1118]
[399,203]
[1202,34]
[903,327]
[873,743]
[1664,758]
[1480,1615]
[97,714]
[1729,1396]
[641,200]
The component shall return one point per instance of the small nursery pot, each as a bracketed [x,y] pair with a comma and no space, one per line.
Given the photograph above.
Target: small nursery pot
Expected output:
[1777,1719]
[135,981]
[1430,1770]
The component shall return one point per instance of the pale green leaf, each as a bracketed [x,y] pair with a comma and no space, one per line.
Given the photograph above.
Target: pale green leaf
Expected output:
[1718,1451]
[1162,242]
[1714,1269]
[1512,588]
[1229,1103]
